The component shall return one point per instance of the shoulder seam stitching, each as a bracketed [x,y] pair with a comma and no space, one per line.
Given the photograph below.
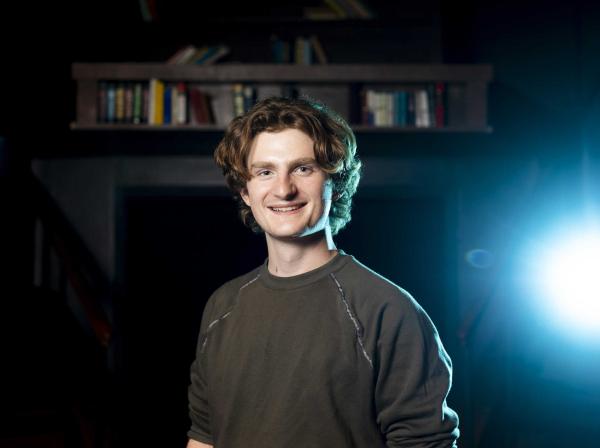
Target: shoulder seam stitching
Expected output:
[224,316]
[353,319]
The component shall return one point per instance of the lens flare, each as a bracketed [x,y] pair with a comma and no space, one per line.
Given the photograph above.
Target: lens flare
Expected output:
[568,275]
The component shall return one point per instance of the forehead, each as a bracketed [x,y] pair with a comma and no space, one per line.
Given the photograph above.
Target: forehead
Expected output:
[281,146]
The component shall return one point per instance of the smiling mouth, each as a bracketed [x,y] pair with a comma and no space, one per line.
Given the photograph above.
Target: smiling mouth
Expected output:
[290,209]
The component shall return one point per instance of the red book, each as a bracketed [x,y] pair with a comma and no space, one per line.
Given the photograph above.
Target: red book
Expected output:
[199,107]
[440,105]
[101,111]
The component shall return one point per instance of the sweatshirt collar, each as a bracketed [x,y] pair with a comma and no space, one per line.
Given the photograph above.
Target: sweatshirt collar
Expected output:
[307,278]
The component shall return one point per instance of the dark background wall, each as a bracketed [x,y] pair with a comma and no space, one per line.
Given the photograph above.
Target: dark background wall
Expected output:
[515,385]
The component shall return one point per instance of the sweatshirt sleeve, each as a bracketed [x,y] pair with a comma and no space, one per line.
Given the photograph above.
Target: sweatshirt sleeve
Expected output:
[199,408]
[413,375]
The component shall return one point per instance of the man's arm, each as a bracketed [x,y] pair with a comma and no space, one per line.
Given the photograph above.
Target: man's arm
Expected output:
[413,374]
[196,444]
[197,400]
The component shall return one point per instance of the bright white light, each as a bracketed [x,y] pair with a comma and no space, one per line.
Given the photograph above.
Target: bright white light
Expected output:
[568,275]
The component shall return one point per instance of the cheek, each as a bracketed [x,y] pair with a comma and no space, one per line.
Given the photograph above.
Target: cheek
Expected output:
[254,194]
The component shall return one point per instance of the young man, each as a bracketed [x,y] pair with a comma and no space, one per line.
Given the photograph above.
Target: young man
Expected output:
[311,349]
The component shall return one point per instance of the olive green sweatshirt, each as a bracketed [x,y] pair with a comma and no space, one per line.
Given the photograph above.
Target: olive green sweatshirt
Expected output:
[335,357]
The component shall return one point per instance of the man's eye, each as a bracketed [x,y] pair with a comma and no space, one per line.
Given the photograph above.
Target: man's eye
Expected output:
[304,169]
[263,173]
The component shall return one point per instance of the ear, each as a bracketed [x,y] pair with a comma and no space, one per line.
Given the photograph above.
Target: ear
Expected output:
[244,196]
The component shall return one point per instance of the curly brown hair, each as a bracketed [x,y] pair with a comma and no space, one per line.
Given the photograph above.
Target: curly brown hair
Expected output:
[334,147]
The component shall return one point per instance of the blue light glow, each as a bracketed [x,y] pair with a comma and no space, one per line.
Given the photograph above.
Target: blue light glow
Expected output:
[567,278]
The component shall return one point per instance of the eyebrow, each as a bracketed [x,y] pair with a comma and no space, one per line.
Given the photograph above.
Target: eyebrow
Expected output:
[296,162]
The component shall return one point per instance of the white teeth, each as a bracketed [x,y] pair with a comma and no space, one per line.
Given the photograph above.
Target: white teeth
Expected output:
[285,209]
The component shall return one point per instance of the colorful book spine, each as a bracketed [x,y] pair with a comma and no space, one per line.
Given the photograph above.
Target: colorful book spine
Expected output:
[137,103]
[167,104]
[159,102]
[156,100]
[249,97]
[120,103]
[146,103]
[128,102]
[151,101]
[421,109]
[401,105]
[431,104]
[238,99]
[280,50]
[101,115]
[410,109]
[110,102]
[318,51]
[440,105]
[181,105]
[200,107]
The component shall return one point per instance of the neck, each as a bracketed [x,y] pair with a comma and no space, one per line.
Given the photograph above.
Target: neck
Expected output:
[299,255]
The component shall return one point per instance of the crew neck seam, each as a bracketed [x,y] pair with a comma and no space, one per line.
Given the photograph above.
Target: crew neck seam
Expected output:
[272,282]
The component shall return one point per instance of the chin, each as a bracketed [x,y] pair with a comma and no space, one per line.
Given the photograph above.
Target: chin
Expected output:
[295,234]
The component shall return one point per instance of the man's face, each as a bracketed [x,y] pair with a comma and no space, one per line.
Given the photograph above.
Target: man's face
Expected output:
[289,194]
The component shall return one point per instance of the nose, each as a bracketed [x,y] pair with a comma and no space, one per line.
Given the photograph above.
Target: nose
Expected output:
[285,187]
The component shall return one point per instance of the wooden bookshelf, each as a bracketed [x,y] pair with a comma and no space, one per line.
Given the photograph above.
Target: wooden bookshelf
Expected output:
[469,81]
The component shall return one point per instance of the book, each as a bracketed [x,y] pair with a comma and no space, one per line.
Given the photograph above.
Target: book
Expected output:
[337,8]
[101,115]
[110,102]
[302,51]
[440,104]
[197,114]
[410,108]
[359,9]
[319,13]
[128,102]
[319,52]
[382,113]
[431,103]
[401,108]
[156,101]
[280,50]
[212,55]
[249,94]
[221,101]
[137,113]
[182,55]
[349,11]
[120,103]
[422,109]
[238,99]
[198,55]
[378,107]
[151,102]
[167,104]
[146,102]
[200,105]
[205,55]
[174,103]
[159,102]
[181,105]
